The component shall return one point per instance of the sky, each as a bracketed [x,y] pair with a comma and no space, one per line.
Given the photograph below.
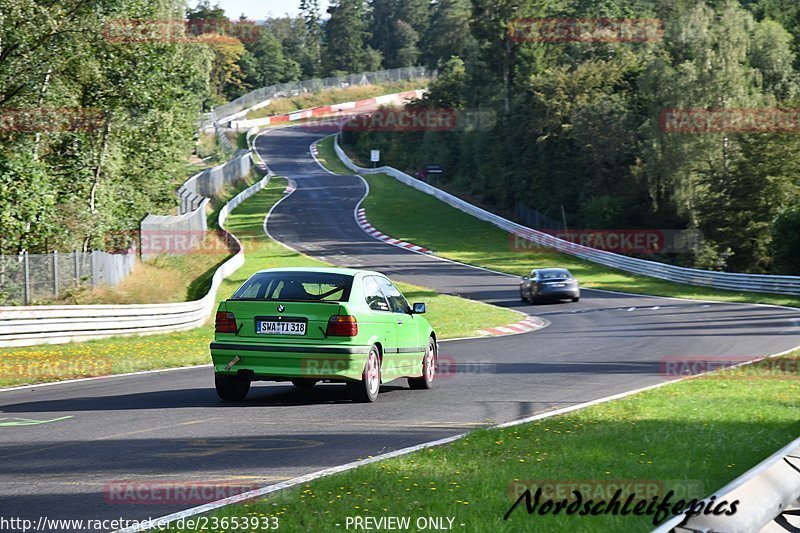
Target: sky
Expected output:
[261,9]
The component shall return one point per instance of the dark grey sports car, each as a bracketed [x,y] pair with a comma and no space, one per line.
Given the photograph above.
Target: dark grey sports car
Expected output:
[549,283]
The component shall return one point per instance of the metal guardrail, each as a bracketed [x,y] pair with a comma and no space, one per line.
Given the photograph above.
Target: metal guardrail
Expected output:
[764,492]
[691,276]
[50,324]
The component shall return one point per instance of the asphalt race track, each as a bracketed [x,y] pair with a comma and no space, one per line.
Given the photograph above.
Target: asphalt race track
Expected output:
[170,427]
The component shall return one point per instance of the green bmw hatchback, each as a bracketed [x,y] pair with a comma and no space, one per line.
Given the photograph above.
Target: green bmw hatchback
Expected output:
[308,325]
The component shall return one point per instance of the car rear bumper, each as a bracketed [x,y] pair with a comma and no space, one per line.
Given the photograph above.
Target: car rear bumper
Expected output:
[557,292]
[286,361]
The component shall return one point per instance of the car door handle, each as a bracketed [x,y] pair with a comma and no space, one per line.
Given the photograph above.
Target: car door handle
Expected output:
[399,322]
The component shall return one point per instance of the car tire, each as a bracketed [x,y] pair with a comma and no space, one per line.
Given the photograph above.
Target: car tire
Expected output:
[304,383]
[366,389]
[428,369]
[576,299]
[231,388]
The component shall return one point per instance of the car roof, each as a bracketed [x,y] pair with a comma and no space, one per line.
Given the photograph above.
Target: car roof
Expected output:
[323,270]
[551,269]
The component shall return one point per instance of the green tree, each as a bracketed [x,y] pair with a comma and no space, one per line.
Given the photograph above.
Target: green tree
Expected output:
[264,63]
[397,29]
[447,90]
[227,78]
[771,53]
[310,11]
[346,38]
[299,43]
[27,203]
[205,18]
[448,34]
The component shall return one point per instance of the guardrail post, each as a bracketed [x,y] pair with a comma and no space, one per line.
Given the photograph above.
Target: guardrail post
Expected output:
[93,264]
[26,279]
[76,267]
[55,273]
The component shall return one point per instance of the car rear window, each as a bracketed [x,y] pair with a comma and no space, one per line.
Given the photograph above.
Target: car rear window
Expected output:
[296,286]
[554,274]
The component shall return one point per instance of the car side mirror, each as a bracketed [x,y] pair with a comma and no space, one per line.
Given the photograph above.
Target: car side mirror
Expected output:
[419,308]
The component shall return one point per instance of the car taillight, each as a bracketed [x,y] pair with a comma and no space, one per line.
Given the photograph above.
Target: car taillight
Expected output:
[342,326]
[225,322]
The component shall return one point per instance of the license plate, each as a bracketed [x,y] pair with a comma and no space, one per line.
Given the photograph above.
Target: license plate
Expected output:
[284,327]
[558,284]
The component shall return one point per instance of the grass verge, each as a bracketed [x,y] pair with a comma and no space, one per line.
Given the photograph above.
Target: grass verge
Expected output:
[450,315]
[456,235]
[692,437]
[327,157]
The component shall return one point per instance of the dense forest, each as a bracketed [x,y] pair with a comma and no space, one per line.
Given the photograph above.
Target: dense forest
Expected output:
[577,123]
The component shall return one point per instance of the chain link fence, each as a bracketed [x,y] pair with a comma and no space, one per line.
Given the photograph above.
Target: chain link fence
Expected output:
[287,90]
[26,278]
